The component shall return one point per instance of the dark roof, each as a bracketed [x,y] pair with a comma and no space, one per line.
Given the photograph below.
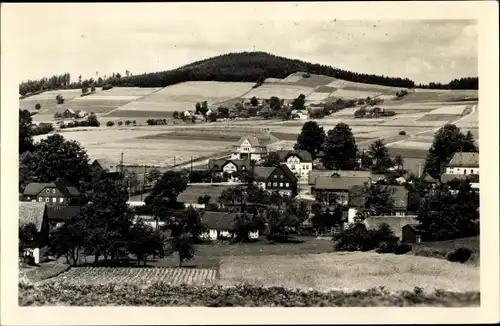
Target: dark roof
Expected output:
[262,173]
[303,155]
[338,183]
[464,159]
[32,213]
[34,188]
[192,192]
[445,178]
[106,164]
[288,173]
[428,178]
[220,163]
[62,213]
[415,227]
[219,220]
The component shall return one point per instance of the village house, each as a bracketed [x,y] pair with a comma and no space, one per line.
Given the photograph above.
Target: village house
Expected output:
[298,161]
[412,233]
[452,180]
[249,147]
[105,168]
[231,169]
[59,214]
[69,113]
[51,193]
[463,165]
[399,196]
[220,226]
[300,114]
[335,188]
[35,213]
[280,179]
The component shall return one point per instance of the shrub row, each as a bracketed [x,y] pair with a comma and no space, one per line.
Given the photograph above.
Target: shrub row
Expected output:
[161,294]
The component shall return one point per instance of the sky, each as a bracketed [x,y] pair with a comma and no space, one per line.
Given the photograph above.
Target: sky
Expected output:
[85,39]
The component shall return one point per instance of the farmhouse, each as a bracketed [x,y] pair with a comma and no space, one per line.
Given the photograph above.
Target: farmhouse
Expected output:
[105,168]
[69,113]
[33,213]
[249,147]
[51,193]
[453,179]
[411,233]
[300,114]
[280,179]
[357,200]
[219,225]
[193,195]
[335,187]
[463,163]
[298,161]
[229,169]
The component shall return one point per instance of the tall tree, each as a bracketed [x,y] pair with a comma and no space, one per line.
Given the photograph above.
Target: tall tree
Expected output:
[311,138]
[56,158]
[379,199]
[25,131]
[340,150]
[272,159]
[379,154]
[447,141]
[254,101]
[169,186]
[144,242]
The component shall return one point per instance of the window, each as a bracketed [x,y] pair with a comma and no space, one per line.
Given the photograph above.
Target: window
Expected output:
[275,176]
[287,184]
[47,191]
[53,191]
[40,199]
[61,200]
[281,184]
[54,199]
[275,184]
[269,184]
[47,199]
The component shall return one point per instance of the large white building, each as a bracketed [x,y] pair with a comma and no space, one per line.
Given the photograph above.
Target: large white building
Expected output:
[249,147]
[463,163]
[300,162]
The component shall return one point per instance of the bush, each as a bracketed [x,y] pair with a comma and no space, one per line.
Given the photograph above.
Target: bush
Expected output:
[459,255]
[357,238]
[120,123]
[360,113]
[106,87]
[43,128]
[110,123]
[402,133]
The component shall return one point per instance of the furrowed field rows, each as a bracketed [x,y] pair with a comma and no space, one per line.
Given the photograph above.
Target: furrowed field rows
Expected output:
[134,276]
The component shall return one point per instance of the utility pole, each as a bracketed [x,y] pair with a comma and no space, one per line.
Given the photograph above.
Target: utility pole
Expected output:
[191,164]
[121,164]
[174,163]
[143,181]
[419,169]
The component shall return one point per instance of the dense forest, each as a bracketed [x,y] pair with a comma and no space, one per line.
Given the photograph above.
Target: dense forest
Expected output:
[235,67]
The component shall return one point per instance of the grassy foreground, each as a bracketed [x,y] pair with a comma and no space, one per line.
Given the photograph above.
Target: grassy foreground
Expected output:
[243,295]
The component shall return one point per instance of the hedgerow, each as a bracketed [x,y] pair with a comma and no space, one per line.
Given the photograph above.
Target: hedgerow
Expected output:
[161,294]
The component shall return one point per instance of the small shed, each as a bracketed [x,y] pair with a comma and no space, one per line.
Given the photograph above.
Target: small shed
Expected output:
[412,233]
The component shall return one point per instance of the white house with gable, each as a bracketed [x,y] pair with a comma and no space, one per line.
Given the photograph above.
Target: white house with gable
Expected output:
[463,163]
[300,162]
[249,147]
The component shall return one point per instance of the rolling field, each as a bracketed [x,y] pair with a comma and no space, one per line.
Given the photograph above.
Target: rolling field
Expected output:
[181,97]
[349,272]
[348,94]
[48,100]
[135,276]
[282,91]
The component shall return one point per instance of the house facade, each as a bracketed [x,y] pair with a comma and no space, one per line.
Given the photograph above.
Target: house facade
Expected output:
[231,169]
[300,162]
[300,114]
[51,194]
[335,188]
[105,168]
[35,213]
[411,233]
[249,148]
[280,179]
[220,226]
[465,163]
[399,196]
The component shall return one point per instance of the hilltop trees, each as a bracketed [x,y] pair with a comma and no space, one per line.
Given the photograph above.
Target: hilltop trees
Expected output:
[447,141]
[311,138]
[340,150]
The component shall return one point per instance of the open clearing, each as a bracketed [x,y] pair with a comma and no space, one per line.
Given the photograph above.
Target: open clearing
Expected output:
[181,97]
[349,272]
[287,92]
[347,94]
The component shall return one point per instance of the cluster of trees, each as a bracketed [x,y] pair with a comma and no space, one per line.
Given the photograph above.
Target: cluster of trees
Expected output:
[251,67]
[127,123]
[376,112]
[447,141]
[462,83]
[156,122]
[91,121]
[51,83]
[43,128]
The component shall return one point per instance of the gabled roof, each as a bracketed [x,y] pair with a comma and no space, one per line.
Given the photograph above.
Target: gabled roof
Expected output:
[288,173]
[399,195]
[254,141]
[303,155]
[70,111]
[338,182]
[219,220]
[416,227]
[262,173]
[464,159]
[428,178]
[62,213]
[32,213]
[396,223]
[107,165]
[34,188]
[218,164]
[342,173]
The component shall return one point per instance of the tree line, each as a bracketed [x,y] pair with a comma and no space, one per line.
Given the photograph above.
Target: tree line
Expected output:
[462,83]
